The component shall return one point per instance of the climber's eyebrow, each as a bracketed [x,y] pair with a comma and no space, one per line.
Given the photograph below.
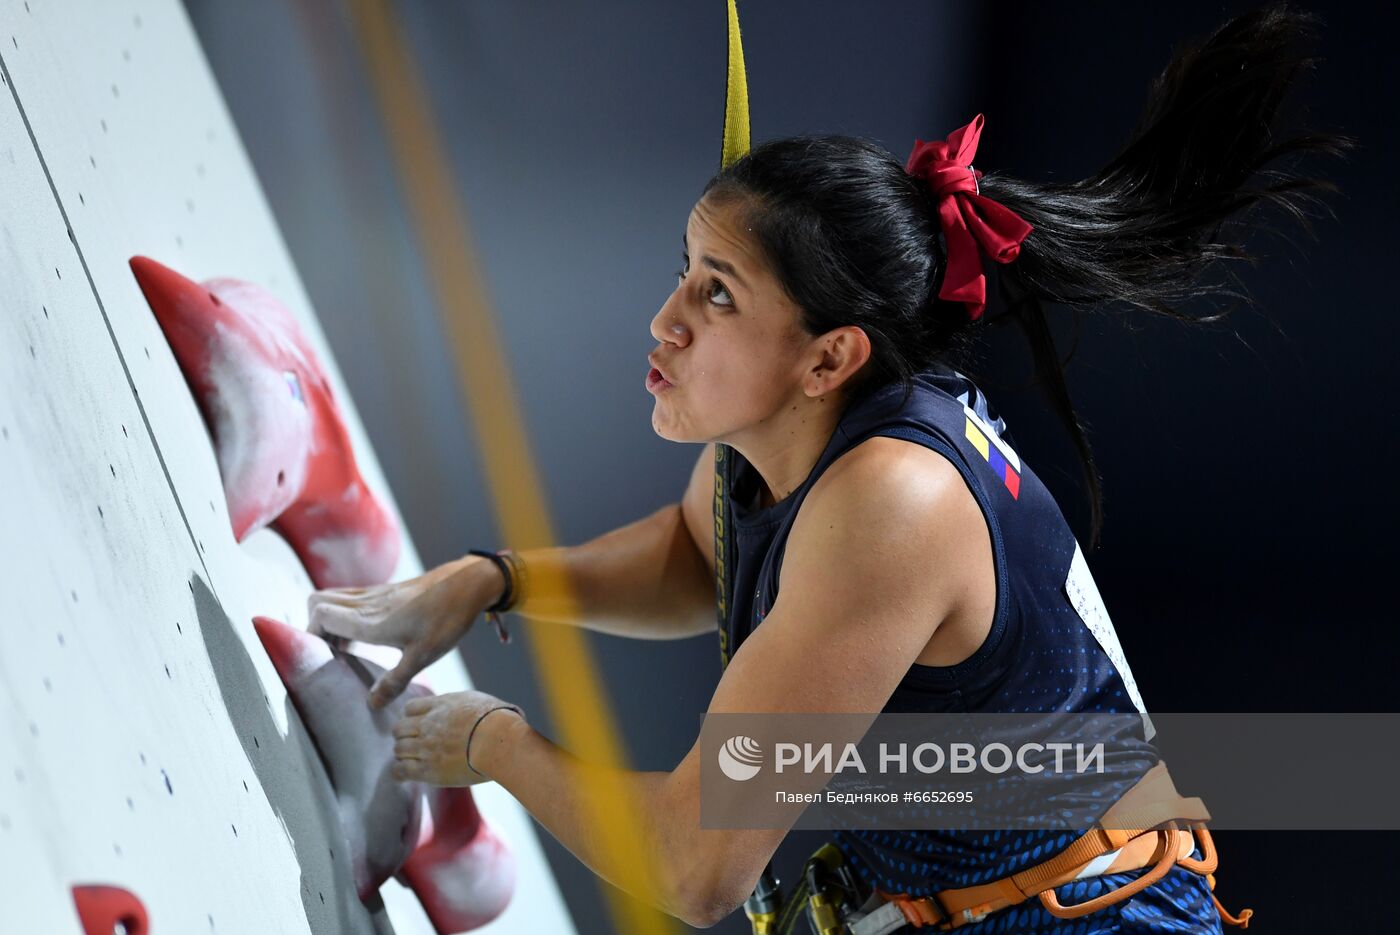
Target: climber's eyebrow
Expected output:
[719,266]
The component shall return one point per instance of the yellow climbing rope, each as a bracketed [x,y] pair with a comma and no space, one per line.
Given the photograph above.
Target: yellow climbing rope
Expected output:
[736,95]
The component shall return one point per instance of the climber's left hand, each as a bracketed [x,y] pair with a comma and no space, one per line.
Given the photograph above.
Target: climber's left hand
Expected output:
[430,739]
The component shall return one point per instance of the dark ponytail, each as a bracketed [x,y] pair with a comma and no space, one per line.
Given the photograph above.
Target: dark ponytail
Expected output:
[1147,230]
[855,240]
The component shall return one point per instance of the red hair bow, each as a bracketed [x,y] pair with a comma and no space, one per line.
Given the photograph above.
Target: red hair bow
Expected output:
[969,220]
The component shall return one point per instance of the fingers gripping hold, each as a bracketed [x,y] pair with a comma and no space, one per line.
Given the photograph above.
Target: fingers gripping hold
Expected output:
[423,616]
[418,707]
[407,771]
[332,619]
[344,595]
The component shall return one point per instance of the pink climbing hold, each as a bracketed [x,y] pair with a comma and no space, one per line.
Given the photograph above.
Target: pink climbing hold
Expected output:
[463,874]
[109,910]
[282,447]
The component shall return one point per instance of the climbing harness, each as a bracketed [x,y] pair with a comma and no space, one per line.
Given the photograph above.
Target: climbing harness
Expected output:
[1151,826]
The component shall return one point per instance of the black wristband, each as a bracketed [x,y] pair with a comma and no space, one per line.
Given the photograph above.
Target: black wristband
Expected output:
[508,595]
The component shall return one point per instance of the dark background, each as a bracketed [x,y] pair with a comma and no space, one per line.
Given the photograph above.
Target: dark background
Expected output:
[1247,467]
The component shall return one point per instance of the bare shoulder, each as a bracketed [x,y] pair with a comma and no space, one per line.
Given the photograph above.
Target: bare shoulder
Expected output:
[887,485]
[698,505]
[889,512]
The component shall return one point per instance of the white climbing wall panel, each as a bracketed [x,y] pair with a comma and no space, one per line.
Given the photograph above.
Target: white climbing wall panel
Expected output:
[145,740]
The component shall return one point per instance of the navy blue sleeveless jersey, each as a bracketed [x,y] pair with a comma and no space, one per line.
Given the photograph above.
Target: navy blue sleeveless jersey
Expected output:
[1051,647]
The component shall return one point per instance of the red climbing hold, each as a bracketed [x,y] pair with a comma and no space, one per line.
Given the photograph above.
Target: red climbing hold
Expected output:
[282,447]
[109,910]
[462,873]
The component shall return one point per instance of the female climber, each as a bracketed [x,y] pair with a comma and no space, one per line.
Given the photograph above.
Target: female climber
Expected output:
[888,548]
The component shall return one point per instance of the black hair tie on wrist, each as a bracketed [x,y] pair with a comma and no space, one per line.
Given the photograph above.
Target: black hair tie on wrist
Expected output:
[472,732]
[505,561]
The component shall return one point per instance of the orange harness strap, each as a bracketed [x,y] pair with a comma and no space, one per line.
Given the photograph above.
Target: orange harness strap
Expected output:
[1131,830]
[1207,865]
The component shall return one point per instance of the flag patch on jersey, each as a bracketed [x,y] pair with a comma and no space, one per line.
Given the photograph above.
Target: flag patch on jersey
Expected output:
[999,456]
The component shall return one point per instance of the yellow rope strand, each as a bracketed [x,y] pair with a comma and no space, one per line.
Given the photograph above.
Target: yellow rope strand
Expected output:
[736,95]
[562,660]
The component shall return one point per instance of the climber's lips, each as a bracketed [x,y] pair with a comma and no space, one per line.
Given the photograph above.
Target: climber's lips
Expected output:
[657,383]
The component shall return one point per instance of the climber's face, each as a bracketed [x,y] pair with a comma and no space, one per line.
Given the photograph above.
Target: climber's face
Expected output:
[732,350]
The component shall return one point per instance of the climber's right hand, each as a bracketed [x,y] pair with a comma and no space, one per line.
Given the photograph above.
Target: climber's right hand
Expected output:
[424,616]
